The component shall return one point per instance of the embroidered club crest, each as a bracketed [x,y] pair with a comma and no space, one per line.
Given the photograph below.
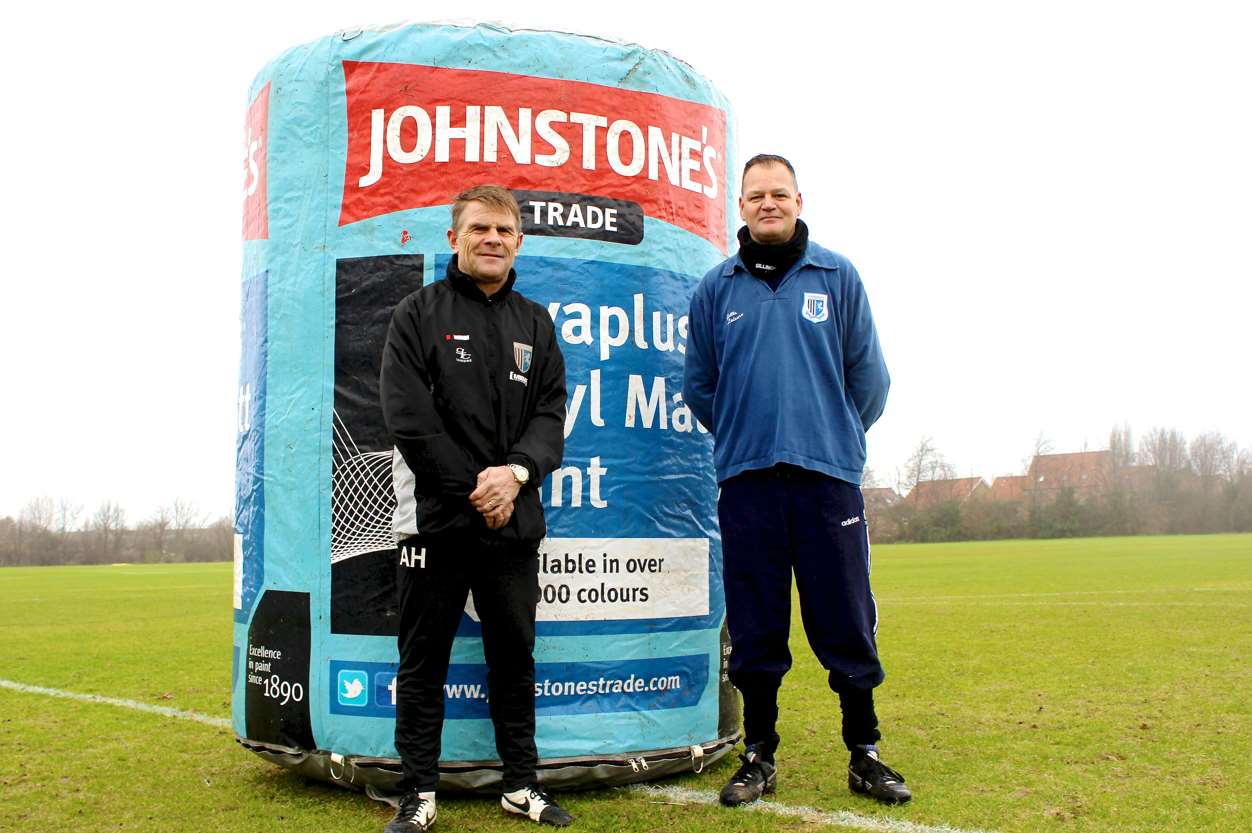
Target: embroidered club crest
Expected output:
[521,356]
[816,308]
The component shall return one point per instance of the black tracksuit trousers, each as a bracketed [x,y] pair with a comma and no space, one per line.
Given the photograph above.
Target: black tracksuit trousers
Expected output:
[505,583]
[782,520]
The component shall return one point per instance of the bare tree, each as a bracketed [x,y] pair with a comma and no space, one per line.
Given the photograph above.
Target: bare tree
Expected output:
[106,526]
[184,516]
[1042,445]
[925,463]
[222,535]
[215,542]
[39,514]
[9,554]
[1122,446]
[1165,449]
[1212,458]
[156,530]
[67,513]
[36,540]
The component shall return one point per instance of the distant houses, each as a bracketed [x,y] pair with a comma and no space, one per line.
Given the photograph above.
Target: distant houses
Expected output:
[1167,487]
[1084,473]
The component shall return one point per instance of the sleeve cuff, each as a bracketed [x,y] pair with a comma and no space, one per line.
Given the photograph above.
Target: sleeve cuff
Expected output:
[517,458]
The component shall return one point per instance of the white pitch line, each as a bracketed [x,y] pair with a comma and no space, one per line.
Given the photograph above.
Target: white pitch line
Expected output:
[1042,603]
[1044,594]
[841,818]
[680,795]
[131,593]
[166,711]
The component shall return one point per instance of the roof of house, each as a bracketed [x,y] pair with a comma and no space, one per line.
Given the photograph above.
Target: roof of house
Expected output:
[881,496]
[1077,470]
[931,492]
[1008,487]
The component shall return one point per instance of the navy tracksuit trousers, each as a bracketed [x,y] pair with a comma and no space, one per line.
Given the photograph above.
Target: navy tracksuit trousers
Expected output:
[775,522]
[433,592]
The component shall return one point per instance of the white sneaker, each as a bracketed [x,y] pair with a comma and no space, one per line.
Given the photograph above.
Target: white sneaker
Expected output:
[416,813]
[536,805]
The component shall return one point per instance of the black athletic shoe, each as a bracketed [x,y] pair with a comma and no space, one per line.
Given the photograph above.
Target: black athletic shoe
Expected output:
[416,813]
[756,777]
[536,805]
[869,776]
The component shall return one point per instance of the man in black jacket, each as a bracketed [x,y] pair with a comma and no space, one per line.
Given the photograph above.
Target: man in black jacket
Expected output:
[473,392]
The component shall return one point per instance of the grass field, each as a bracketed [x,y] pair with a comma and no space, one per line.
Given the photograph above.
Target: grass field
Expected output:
[1080,685]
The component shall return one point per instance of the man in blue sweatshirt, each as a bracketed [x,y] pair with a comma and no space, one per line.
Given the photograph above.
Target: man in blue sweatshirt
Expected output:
[784,368]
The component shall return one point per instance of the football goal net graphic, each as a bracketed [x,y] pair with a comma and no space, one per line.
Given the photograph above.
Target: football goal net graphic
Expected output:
[362,501]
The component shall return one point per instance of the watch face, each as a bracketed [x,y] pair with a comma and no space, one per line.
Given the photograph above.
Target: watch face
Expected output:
[520,472]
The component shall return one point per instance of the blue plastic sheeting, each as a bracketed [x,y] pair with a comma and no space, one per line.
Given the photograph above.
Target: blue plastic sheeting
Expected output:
[619,156]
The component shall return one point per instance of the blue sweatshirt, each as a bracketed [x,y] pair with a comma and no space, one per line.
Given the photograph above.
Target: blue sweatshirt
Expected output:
[793,376]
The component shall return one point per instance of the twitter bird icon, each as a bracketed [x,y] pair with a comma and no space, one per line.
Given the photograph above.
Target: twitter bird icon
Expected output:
[353,687]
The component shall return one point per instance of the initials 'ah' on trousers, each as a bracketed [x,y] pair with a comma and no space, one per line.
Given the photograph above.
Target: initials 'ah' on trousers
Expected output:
[432,596]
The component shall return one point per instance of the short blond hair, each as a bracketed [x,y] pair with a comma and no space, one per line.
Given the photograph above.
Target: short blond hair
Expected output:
[490,195]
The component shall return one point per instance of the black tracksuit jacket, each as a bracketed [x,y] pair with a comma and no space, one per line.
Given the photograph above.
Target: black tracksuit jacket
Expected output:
[470,381]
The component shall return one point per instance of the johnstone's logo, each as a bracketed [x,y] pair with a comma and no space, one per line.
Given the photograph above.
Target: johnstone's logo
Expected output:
[413,129]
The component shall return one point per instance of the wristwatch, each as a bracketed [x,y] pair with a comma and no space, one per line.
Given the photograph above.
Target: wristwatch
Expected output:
[520,473]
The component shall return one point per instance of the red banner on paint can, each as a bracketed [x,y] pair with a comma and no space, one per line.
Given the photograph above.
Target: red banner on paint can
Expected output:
[413,129]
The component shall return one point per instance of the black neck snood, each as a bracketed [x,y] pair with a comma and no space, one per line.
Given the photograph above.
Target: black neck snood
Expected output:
[770,262]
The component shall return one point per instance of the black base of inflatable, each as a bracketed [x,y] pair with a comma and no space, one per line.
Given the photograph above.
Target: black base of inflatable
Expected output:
[377,777]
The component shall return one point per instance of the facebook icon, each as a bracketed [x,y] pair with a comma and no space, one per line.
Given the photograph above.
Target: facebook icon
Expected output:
[385,689]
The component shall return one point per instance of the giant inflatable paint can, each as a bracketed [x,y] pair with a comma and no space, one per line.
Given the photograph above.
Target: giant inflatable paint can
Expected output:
[619,158]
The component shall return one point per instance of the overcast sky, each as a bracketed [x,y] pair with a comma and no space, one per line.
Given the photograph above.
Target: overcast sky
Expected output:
[1050,205]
